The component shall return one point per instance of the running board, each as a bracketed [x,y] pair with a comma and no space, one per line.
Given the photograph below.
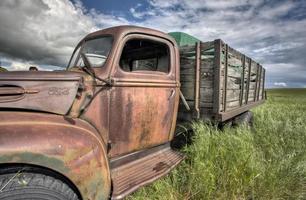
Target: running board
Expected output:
[141,168]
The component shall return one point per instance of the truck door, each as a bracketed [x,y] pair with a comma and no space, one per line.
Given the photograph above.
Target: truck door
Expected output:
[145,94]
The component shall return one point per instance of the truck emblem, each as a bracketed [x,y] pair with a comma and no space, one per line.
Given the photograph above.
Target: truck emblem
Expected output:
[58,91]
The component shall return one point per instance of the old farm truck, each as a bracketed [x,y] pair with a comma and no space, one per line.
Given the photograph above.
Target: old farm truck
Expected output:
[102,128]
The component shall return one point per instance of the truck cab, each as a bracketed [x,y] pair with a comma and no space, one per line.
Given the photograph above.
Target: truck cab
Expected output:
[103,126]
[142,96]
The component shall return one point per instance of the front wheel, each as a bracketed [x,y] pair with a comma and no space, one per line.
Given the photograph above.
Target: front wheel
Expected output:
[34,186]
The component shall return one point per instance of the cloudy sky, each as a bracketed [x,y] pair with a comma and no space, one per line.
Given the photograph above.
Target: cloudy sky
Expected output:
[44,32]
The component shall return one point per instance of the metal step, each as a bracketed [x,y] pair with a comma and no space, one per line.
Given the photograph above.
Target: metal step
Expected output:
[129,176]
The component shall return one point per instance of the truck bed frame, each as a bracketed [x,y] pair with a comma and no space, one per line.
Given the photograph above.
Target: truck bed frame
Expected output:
[218,82]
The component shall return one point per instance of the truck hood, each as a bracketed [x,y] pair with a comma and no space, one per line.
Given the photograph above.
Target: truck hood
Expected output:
[52,92]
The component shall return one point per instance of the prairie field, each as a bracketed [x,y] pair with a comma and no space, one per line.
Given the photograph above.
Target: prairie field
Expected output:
[267,161]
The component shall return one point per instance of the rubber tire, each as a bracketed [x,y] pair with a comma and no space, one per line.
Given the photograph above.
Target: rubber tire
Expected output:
[34,186]
[245,118]
[226,124]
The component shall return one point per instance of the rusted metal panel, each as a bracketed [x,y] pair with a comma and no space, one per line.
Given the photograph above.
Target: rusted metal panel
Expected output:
[143,105]
[69,146]
[141,117]
[39,91]
[146,168]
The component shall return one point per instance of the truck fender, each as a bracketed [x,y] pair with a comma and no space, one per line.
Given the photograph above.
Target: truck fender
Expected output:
[71,147]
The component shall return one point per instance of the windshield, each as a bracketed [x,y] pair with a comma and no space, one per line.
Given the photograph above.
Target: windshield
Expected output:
[95,50]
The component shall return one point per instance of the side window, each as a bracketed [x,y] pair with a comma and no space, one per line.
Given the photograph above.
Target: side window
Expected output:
[145,55]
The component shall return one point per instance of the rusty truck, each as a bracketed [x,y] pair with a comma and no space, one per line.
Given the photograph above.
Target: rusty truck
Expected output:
[102,128]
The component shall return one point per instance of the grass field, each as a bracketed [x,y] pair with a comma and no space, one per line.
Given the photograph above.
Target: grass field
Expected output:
[265,162]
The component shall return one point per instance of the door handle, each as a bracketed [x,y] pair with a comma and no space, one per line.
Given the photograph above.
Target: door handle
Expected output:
[171,94]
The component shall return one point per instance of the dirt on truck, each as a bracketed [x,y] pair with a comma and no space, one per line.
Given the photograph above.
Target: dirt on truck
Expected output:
[102,128]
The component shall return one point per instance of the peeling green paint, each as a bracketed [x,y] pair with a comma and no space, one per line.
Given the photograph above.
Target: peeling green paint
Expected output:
[35,158]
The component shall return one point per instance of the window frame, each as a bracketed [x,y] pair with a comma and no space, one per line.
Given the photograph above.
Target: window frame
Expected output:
[80,47]
[153,38]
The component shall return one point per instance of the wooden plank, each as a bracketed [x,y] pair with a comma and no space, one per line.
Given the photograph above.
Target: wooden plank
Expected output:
[233,95]
[232,104]
[187,71]
[248,82]
[234,62]
[206,105]
[187,49]
[217,67]
[186,63]
[233,83]
[207,45]
[207,76]
[203,84]
[253,68]
[197,80]
[207,63]
[242,84]
[207,72]
[225,77]
[234,71]
[235,53]
[263,84]
[251,95]
[234,112]
[259,82]
[256,83]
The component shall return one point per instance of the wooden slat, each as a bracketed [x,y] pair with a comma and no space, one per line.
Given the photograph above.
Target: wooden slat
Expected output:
[256,82]
[233,95]
[217,67]
[187,49]
[259,82]
[233,83]
[225,77]
[234,72]
[242,83]
[263,84]
[207,63]
[207,45]
[248,82]
[234,62]
[197,80]
[232,104]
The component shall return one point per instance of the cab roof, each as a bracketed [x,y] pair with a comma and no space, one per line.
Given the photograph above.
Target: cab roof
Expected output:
[121,31]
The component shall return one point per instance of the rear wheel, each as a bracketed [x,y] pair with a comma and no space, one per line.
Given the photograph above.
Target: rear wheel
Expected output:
[244,119]
[31,186]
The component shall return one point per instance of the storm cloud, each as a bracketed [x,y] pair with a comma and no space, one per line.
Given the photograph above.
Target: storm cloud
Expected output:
[45,32]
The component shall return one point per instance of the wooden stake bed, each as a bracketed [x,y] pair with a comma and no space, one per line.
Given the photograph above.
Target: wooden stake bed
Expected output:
[218,82]
[128,176]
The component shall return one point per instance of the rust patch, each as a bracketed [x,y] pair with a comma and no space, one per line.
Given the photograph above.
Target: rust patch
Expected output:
[160,166]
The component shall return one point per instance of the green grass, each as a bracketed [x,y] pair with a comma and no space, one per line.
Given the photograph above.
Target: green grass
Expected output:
[266,162]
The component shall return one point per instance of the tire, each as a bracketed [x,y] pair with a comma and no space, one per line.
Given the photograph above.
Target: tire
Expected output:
[226,124]
[245,119]
[34,186]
